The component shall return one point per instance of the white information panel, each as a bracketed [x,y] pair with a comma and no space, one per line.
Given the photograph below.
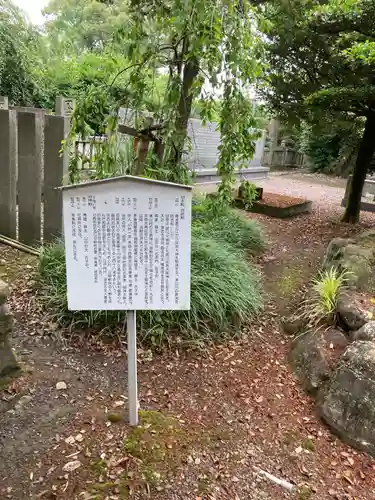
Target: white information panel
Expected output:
[127,245]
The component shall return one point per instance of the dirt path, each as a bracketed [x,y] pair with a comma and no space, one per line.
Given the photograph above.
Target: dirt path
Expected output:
[226,412]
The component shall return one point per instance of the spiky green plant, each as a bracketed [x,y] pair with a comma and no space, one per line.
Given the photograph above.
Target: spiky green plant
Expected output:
[326,289]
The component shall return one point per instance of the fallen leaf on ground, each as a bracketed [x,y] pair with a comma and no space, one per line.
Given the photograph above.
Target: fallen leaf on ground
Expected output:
[61,386]
[71,466]
[70,440]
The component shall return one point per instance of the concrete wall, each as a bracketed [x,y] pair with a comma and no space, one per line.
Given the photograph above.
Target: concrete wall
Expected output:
[31,167]
[205,142]
[8,173]
[26,109]
[29,176]
[204,155]
[283,157]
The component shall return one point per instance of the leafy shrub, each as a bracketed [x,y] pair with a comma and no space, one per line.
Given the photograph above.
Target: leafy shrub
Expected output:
[248,192]
[331,143]
[201,210]
[225,288]
[324,150]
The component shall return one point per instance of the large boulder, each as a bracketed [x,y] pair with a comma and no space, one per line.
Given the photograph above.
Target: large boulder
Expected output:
[367,238]
[351,313]
[366,332]
[347,400]
[8,362]
[4,292]
[294,324]
[355,257]
[313,355]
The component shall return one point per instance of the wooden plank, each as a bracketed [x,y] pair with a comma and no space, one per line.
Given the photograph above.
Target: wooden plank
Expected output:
[8,173]
[55,131]
[145,133]
[29,177]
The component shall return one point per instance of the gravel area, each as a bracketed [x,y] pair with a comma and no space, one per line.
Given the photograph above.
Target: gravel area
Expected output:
[322,190]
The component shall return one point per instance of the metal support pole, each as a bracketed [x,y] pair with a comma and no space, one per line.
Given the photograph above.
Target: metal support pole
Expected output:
[132,368]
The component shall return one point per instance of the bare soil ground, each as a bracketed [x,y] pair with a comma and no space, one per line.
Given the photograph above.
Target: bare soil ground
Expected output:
[211,419]
[279,200]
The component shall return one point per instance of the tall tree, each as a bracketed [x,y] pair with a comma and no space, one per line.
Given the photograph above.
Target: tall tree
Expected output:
[205,48]
[320,59]
[76,25]
[19,43]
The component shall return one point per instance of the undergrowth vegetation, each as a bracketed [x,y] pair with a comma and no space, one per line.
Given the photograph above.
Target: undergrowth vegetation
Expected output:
[225,286]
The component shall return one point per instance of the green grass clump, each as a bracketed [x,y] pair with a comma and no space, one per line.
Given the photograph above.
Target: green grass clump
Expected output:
[225,286]
[289,281]
[235,229]
[227,225]
[225,290]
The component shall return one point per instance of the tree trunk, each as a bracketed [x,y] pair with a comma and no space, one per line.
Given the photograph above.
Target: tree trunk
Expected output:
[365,154]
[190,73]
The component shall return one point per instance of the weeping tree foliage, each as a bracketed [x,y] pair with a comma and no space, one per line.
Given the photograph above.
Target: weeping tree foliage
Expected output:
[206,49]
[321,56]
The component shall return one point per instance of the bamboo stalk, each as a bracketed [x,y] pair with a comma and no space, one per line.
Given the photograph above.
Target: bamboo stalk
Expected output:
[19,246]
[280,482]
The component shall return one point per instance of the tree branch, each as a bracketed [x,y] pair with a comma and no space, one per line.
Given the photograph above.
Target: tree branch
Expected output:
[124,70]
[335,29]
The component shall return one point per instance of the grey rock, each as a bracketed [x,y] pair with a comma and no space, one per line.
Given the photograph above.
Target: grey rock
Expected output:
[350,316]
[336,247]
[4,292]
[367,237]
[357,262]
[347,401]
[335,339]
[352,257]
[335,252]
[292,325]
[6,321]
[366,332]
[24,400]
[309,362]
[8,362]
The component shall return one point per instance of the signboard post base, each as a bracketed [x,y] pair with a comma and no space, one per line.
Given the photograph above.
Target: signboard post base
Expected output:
[131,321]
